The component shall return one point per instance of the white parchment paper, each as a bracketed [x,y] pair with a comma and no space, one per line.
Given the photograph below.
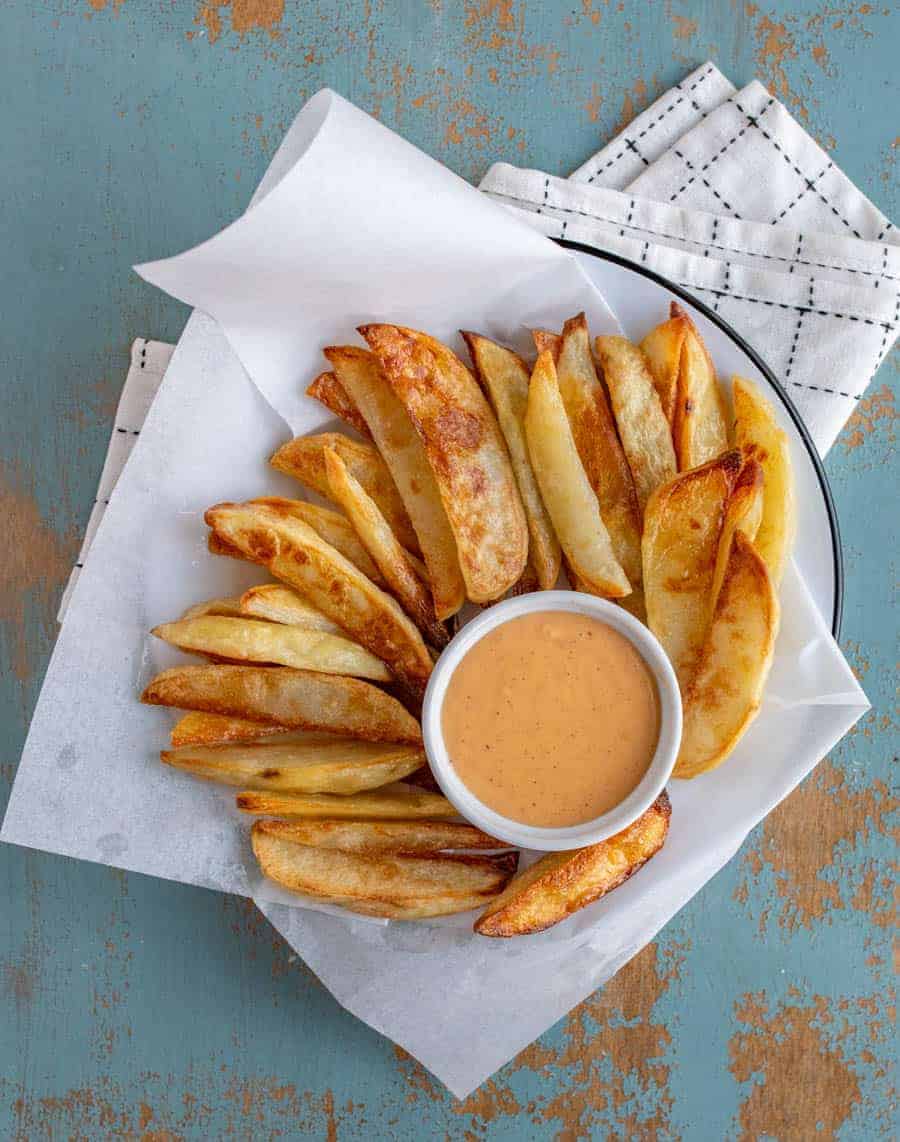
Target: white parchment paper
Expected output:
[351,223]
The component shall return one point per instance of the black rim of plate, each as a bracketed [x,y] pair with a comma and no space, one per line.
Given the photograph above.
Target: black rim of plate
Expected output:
[711,315]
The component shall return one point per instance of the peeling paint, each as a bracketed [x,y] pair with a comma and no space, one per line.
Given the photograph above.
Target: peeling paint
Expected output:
[873,414]
[244,16]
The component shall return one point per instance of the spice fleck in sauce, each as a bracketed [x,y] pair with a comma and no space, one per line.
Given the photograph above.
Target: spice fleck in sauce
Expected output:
[551,719]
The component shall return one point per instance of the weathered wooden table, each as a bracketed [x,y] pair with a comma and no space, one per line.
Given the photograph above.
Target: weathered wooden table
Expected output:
[135,1008]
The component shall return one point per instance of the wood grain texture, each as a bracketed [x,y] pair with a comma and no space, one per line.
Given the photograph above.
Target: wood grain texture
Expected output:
[132,1008]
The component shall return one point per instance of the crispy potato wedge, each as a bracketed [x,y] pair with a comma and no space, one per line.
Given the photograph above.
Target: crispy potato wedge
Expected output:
[699,426]
[200,728]
[561,883]
[636,604]
[662,348]
[329,391]
[311,763]
[756,431]
[601,454]
[527,583]
[304,459]
[724,695]
[374,837]
[295,699]
[392,802]
[392,885]
[742,513]
[467,454]
[547,342]
[565,488]
[643,428]
[296,554]
[280,604]
[217,546]
[333,527]
[505,378]
[381,543]
[404,454]
[254,640]
[682,526]
[230,607]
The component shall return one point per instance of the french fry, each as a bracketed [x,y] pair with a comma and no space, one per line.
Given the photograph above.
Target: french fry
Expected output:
[294,699]
[399,887]
[699,427]
[254,640]
[304,459]
[296,554]
[217,546]
[725,693]
[374,837]
[311,763]
[467,454]
[742,513]
[280,604]
[568,495]
[333,527]
[601,454]
[404,454]
[643,428]
[756,431]
[547,342]
[682,526]
[381,544]
[503,374]
[200,728]
[392,802]
[329,391]
[561,883]
[230,607]
[662,348]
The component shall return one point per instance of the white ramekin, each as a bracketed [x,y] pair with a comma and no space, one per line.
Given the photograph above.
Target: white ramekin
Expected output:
[570,836]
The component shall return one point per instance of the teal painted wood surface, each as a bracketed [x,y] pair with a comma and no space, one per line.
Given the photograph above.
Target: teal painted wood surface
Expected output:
[131,1008]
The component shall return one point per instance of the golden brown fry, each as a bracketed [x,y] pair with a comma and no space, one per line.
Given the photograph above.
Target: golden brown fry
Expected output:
[280,604]
[597,441]
[662,348]
[373,837]
[329,391]
[527,583]
[562,883]
[724,695]
[399,887]
[217,546]
[392,802]
[295,699]
[333,527]
[742,513]
[200,728]
[565,488]
[381,543]
[643,428]
[467,454]
[756,431]
[699,427]
[547,342]
[503,374]
[404,455]
[309,763]
[297,555]
[230,607]
[304,459]
[254,640]
[682,526]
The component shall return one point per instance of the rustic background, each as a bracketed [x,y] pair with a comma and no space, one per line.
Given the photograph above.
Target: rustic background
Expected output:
[132,1008]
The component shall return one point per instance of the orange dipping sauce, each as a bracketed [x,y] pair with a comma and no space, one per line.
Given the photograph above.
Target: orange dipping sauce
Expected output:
[551,719]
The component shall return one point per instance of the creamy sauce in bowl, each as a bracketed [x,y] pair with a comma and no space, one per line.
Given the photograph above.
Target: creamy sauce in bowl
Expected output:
[551,719]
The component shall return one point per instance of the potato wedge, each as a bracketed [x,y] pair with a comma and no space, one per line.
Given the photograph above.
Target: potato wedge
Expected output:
[399,887]
[756,431]
[725,693]
[561,883]
[374,837]
[200,728]
[279,604]
[230,607]
[404,454]
[329,391]
[333,527]
[682,526]
[381,543]
[699,426]
[643,428]
[304,459]
[742,513]
[505,378]
[254,640]
[217,546]
[296,554]
[294,699]
[467,454]
[546,342]
[601,454]
[662,348]
[311,763]
[565,488]
[399,802]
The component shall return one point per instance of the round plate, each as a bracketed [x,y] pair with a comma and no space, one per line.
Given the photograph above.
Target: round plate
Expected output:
[634,292]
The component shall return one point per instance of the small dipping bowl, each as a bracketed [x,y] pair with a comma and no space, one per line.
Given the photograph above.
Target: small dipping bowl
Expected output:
[615,819]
